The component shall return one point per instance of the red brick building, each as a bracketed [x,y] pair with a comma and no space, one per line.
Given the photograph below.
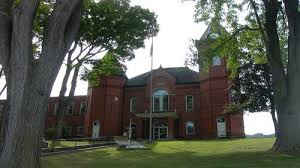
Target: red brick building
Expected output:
[186,104]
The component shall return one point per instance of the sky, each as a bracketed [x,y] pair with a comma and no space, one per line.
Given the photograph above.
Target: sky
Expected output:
[171,45]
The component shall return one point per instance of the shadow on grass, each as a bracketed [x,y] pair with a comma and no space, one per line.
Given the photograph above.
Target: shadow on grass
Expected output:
[112,158]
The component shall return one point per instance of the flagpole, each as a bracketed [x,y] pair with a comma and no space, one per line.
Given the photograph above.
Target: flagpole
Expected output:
[150,94]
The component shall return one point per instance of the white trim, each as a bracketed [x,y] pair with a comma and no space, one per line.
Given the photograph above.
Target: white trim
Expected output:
[186,103]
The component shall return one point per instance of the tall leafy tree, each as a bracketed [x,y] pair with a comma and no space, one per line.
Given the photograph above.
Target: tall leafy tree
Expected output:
[112,25]
[252,91]
[30,77]
[109,65]
[267,18]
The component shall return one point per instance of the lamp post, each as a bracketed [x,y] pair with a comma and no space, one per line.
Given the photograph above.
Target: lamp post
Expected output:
[150,94]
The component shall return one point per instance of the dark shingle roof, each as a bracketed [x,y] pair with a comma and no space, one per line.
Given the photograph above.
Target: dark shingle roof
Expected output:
[183,75]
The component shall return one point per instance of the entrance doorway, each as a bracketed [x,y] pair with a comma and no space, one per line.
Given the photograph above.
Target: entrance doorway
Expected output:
[133,131]
[96,129]
[221,127]
[160,131]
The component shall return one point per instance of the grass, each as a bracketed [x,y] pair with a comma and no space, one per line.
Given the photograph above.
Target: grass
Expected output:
[241,153]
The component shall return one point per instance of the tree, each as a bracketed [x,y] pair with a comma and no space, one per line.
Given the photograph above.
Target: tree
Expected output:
[252,90]
[30,76]
[268,18]
[111,25]
[109,65]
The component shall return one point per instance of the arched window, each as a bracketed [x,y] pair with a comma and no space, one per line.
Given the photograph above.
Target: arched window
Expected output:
[160,101]
[189,128]
[214,35]
[133,104]
[216,61]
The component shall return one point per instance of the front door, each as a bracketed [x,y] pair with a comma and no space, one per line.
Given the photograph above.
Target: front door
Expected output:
[221,127]
[96,129]
[160,131]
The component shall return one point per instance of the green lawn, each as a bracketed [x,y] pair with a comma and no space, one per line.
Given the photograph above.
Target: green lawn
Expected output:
[62,144]
[244,153]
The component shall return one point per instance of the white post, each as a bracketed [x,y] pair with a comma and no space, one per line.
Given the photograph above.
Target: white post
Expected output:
[150,95]
[130,131]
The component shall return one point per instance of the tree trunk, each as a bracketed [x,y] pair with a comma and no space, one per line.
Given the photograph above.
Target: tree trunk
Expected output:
[30,81]
[62,105]
[286,87]
[65,102]
[275,122]
[289,113]
[276,128]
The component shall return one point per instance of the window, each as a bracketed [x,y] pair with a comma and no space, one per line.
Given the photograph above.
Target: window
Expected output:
[70,109]
[190,128]
[233,94]
[133,104]
[55,109]
[216,61]
[160,101]
[83,108]
[189,103]
[79,131]
[214,35]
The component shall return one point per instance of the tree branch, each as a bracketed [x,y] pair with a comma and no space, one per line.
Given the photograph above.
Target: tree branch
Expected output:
[2,90]
[62,29]
[234,34]
[260,25]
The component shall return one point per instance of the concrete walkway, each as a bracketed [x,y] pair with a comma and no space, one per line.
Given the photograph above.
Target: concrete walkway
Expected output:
[130,145]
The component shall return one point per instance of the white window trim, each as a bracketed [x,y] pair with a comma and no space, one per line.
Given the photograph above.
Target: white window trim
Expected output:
[131,105]
[186,103]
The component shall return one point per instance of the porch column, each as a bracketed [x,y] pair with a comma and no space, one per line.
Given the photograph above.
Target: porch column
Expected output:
[170,128]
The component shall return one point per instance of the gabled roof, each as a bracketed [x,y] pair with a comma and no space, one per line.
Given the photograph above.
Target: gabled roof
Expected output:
[216,28]
[183,75]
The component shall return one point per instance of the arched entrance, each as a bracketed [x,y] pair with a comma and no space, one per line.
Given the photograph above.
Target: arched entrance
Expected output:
[160,130]
[221,127]
[96,129]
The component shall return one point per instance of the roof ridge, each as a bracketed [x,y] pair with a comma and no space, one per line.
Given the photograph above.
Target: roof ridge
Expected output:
[182,74]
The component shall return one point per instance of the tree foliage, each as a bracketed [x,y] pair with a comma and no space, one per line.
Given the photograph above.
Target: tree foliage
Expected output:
[109,65]
[241,39]
[116,26]
[252,87]
[264,31]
